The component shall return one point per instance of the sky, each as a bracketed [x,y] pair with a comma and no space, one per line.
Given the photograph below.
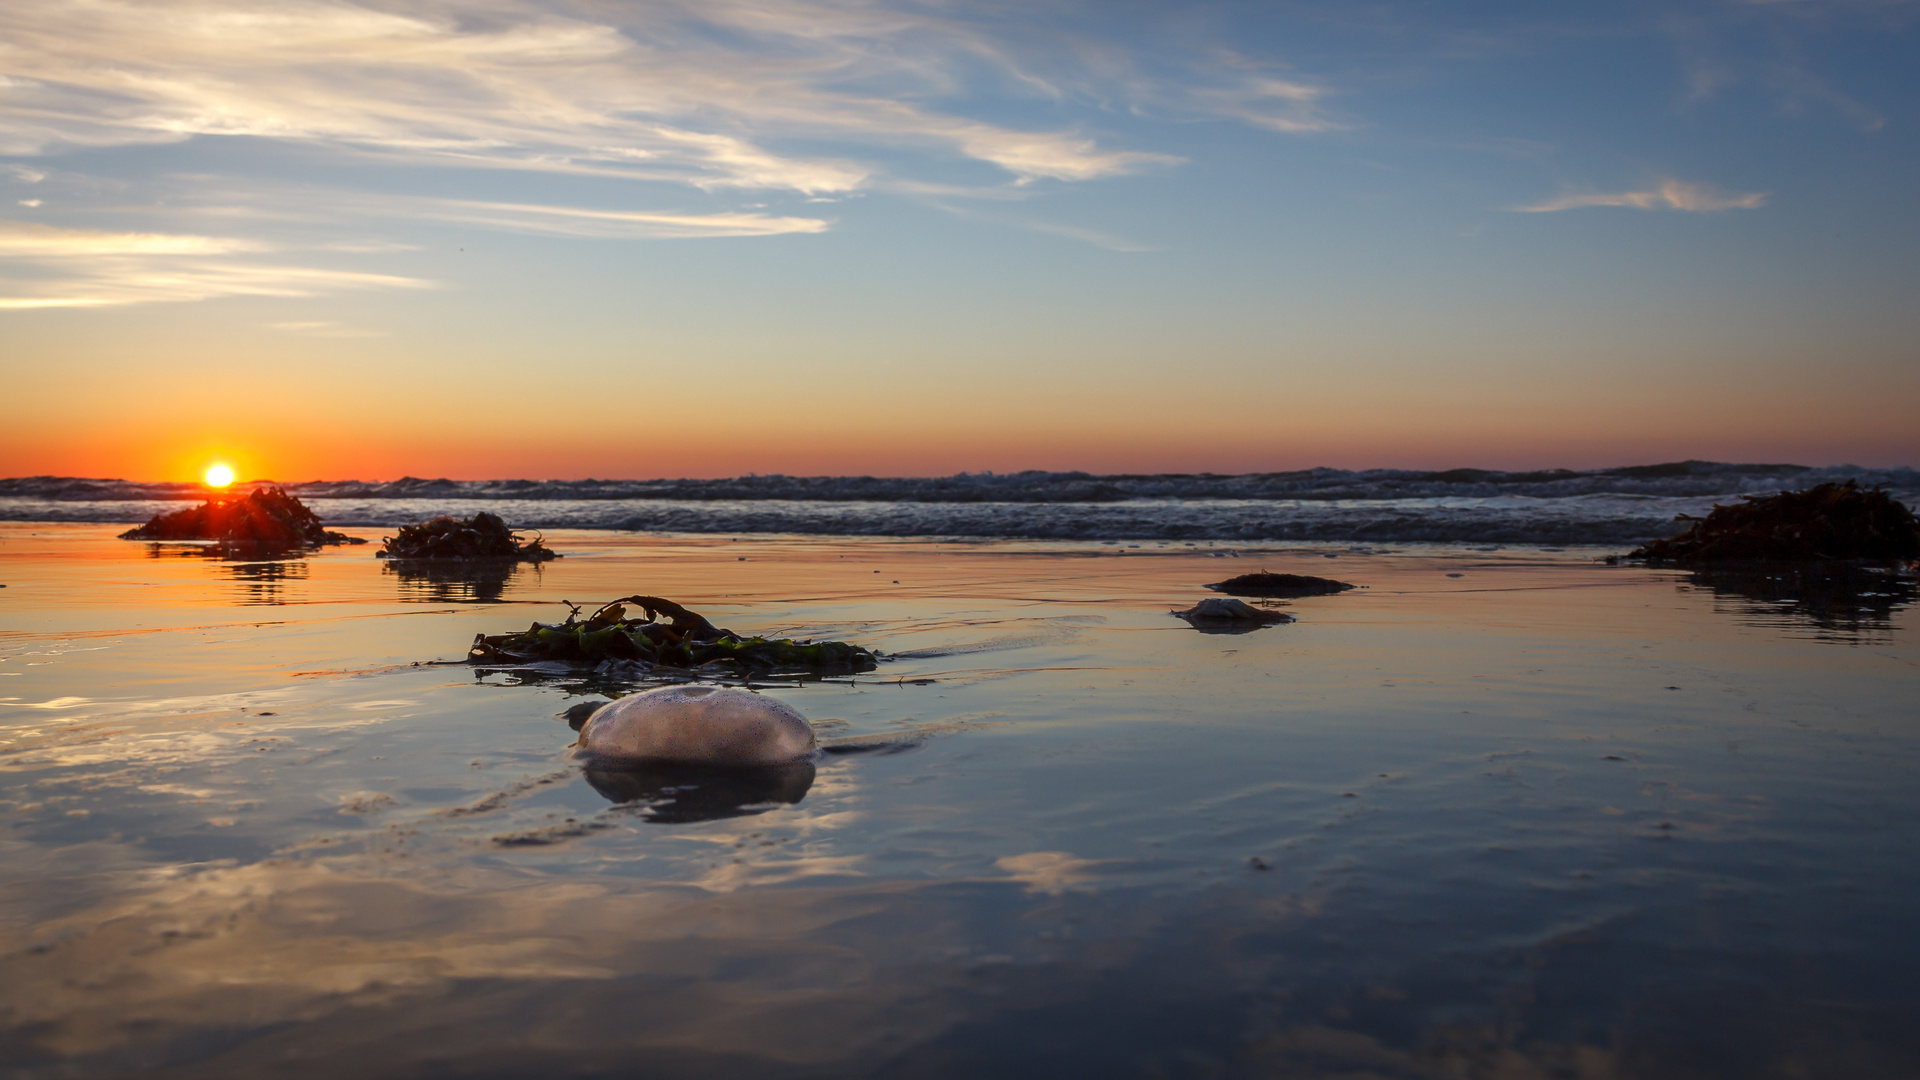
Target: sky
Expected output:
[641,238]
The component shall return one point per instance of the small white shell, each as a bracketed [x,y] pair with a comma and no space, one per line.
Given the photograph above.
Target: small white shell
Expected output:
[708,725]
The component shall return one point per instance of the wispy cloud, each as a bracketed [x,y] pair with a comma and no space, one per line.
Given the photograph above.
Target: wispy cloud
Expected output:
[1246,91]
[1088,236]
[1766,43]
[91,268]
[720,94]
[1670,195]
[575,221]
[22,239]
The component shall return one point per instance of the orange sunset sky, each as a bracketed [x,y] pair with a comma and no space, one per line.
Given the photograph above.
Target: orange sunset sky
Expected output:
[342,240]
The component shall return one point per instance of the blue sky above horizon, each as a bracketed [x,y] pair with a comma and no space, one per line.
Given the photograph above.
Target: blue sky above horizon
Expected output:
[650,238]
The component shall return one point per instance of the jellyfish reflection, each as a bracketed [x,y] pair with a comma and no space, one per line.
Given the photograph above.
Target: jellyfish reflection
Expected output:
[672,793]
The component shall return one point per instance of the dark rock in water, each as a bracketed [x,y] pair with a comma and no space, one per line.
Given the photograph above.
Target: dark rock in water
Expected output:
[265,518]
[482,536]
[1830,521]
[1216,615]
[1266,583]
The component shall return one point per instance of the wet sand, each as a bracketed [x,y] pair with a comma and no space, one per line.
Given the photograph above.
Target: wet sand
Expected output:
[1503,812]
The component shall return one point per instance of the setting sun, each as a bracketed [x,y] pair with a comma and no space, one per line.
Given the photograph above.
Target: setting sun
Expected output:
[219,476]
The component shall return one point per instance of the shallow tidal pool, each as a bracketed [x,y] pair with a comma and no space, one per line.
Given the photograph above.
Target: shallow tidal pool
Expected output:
[1502,812]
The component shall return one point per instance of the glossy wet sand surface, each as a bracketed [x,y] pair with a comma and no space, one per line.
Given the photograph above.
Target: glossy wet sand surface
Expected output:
[1500,813]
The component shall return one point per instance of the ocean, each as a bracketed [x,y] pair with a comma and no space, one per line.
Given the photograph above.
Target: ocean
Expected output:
[1375,506]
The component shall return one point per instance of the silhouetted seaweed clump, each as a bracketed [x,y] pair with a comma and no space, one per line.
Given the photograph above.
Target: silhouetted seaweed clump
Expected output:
[1267,583]
[686,643]
[1829,521]
[266,517]
[482,536]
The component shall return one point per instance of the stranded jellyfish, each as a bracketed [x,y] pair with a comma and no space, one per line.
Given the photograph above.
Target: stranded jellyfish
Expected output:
[698,725]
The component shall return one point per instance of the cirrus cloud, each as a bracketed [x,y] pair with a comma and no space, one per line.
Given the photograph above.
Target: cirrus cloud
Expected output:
[1669,195]
[716,95]
[94,268]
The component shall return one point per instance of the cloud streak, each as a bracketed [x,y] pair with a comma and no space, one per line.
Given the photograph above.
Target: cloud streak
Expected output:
[613,224]
[718,95]
[1670,195]
[27,240]
[91,268]
[1244,91]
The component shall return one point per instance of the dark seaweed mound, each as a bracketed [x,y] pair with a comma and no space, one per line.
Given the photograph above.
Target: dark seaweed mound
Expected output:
[482,536]
[1830,521]
[1266,583]
[687,642]
[266,518]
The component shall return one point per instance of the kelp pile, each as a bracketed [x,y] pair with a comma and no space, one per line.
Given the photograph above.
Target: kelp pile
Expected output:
[1267,583]
[482,536]
[266,518]
[686,642]
[1830,521]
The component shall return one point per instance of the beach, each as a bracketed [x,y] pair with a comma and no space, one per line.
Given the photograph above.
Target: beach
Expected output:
[1500,810]
[646,540]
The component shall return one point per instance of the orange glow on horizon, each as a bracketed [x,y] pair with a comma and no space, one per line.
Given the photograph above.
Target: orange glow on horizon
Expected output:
[1482,423]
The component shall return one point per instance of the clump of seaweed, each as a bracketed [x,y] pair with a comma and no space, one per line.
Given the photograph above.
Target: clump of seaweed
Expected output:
[1829,521]
[1267,583]
[265,517]
[482,536]
[686,643]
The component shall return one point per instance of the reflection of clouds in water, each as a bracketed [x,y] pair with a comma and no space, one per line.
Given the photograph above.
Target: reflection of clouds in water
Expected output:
[169,731]
[54,705]
[733,876]
[352,961]
[792,845]
[60,648]
[1050,872]
[413,969]
[283,941]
